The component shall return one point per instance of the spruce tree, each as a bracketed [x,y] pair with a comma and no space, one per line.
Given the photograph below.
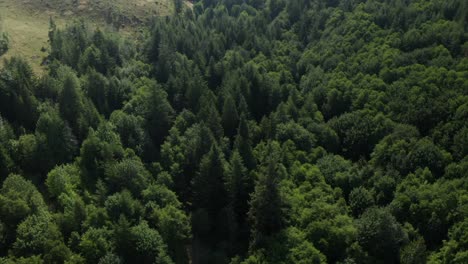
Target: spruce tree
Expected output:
[71,103]
[230,117]
[208,185]
[266,204]
[210,115]
[243,144]
[238,186]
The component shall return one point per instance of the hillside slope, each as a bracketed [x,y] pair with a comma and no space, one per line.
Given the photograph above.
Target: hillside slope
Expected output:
[27,21]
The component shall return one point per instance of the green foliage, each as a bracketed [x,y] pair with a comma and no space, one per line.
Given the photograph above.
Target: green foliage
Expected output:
[100,148]
[6,134]
[315,210]
[129,173]
[22,260]
[148,245]
[4,43]
[359,132]
[381,235]
[37,234]
[210,115]
[17,101]
[123,203]
[96,87]
[56,142]
[453,249]
[414,252]
[242,132]
[74,107]
[208,185]
[174,226]
[266,204]
[243,144]
[25,151]
[20,198]
[178,4]
[81,49]
[230,117]
[95,243]
[338,172]
[359,200]
[131,131]
[63,179]
[431,207]
[151,104]
[4,39]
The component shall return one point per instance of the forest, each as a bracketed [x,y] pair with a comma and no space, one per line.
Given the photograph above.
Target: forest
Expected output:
[242,132]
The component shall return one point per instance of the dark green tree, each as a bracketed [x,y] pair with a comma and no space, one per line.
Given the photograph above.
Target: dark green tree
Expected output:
[243,144]
[208,185]
[56,142]
[230,118]
[74,108]
[381,235]
[18,104]
[266,205]
[151,104]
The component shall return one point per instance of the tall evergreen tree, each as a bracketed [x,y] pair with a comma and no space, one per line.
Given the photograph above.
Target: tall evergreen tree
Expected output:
[96,87]
[210,115]
[57,144]
[209,201]
[71,103]
[208,185]
[151,103]
[239,186]
[230,117]
[266,204]
[243,144]
[17,102]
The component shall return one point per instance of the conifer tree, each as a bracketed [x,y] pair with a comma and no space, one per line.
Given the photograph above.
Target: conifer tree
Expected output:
[238,186]
[210,115]
[208,185]
[266,204]
[230,117]
[243,144]
[71,102]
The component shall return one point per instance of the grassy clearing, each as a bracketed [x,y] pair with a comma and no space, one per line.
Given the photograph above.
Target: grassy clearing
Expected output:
[27,21]
[27,32]
[126,10]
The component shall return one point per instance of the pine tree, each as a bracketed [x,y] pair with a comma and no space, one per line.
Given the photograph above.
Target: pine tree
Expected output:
[243,144]
[18,104]
[210,201]
[71,103]
[210,115]
[238,186]
[151,104]
[96,86]
[266,205]
[52,29]
[57,144]
[230,117]
[243,107]
[208,185]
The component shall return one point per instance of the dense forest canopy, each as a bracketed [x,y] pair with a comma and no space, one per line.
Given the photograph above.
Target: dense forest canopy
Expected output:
[278,131]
